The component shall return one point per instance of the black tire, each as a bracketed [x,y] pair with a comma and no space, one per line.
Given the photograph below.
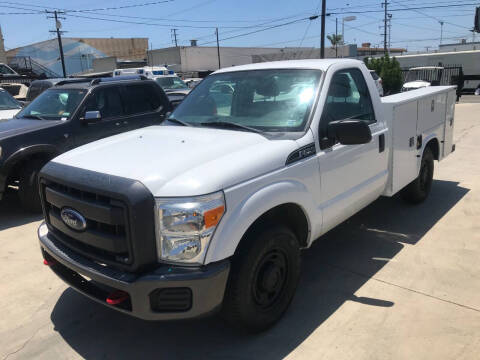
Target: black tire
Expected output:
[28,191]
[263,279]
[417,191]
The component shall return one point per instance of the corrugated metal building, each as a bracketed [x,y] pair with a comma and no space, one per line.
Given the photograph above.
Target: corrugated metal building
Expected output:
[80,52]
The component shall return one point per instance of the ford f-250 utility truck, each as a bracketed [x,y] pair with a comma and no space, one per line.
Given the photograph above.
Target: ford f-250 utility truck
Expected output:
[210,209]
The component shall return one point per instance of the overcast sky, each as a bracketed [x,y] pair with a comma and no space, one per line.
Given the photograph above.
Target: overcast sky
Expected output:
[197,19]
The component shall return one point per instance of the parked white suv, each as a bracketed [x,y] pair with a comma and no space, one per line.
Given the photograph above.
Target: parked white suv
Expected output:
[378,82]
[211,209]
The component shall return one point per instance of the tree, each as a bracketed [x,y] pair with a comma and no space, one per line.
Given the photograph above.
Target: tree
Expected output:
[388,68]
[335,39]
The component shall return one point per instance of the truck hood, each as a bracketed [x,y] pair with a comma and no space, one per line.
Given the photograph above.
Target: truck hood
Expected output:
[13,126]
[182,161]
[416,84]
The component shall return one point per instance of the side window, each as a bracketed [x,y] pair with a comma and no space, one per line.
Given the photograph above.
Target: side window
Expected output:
[107,101]
[141,98]
[348,97]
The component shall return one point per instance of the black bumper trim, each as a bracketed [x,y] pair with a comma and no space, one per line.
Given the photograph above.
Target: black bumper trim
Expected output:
[207,283]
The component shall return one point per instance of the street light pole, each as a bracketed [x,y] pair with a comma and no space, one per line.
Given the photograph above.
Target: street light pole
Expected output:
[346,19]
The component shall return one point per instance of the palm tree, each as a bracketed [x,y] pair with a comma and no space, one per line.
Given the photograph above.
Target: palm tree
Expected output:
[335,39]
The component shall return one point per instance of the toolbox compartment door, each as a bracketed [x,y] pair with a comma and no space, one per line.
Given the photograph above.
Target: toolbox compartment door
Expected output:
[404,162]
[449,123]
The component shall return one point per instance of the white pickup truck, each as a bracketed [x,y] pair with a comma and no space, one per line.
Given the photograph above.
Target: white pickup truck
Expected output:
[211,209]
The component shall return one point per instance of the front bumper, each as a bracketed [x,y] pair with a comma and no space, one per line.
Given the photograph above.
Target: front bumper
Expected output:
[206,284]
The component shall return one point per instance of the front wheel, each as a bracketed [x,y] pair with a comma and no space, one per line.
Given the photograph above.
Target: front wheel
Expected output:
[263,279]
[417,191]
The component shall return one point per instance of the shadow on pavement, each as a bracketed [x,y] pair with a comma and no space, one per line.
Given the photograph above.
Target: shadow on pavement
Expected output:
[333,270]
[11,212]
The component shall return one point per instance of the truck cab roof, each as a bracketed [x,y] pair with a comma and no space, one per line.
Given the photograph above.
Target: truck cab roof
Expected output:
[318,64]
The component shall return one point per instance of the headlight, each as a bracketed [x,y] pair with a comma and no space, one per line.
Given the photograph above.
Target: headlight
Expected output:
[184,226]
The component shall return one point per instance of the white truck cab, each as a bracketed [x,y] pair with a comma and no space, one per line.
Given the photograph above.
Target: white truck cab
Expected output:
[211,209]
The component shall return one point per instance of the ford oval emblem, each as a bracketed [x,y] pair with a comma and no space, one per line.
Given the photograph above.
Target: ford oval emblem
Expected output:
[73,219]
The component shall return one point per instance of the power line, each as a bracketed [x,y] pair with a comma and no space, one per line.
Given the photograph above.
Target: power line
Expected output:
[153,24]
[430,16]
[403,9]
[261,30]
[308,28]
[97,9]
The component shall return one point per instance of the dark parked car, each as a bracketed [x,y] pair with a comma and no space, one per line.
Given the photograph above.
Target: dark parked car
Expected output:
[70,114]
[39,86]
[174,87]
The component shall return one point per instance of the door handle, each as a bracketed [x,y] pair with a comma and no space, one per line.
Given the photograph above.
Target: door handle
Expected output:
[381,143]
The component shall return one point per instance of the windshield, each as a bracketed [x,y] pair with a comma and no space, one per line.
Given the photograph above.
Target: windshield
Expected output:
[268,100]
[171,82]
[53,104]
[5,70]
[7,101]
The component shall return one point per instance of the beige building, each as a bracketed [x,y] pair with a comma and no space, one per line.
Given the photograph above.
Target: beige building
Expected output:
[205,58]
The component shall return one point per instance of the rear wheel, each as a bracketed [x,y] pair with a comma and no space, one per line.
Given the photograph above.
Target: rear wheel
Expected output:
[263,279]
[417,191]
[28,186]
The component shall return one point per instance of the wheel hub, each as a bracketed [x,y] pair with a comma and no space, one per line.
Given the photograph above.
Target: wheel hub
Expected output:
[270,278]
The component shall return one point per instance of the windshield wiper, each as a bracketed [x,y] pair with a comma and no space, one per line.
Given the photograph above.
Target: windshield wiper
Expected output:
[230,125]
[180,122]
[37,117]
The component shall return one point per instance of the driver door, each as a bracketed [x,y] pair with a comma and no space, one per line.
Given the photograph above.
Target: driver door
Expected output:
[351,175]
[108,101]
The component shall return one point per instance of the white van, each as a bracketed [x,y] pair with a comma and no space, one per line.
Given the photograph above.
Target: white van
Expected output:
[147,71]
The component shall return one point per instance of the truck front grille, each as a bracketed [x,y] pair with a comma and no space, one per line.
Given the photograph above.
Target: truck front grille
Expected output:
[106,236]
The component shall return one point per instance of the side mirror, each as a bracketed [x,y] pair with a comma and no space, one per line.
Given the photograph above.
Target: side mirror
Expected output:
[349,132]
[92,117]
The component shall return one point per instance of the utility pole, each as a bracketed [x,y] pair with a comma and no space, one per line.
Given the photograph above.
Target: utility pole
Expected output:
[441,31]
[174,34]
[218,48]
[336,37]
[58,26]
[385,19]
[389,32]
[322,36]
